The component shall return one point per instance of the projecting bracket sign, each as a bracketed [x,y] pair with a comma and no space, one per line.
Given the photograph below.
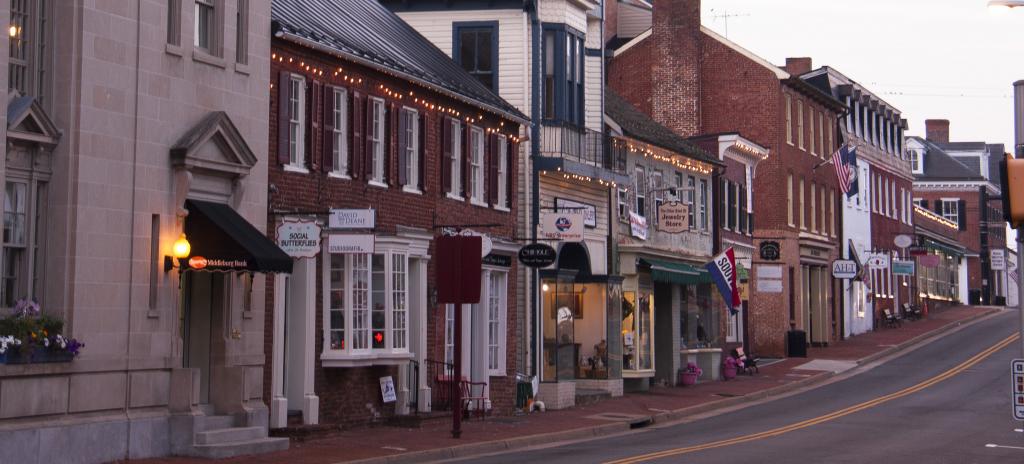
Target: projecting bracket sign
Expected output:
[1017,388]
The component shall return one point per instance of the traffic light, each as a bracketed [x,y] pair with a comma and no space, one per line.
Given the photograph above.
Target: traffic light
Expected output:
[1013,190]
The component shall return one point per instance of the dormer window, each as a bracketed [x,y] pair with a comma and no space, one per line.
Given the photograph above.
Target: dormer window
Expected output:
[916,161]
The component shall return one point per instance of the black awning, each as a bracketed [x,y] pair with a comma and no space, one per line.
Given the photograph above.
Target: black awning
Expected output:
[228,242]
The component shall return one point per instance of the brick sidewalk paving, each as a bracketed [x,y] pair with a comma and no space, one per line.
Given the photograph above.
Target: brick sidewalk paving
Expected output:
[497,433]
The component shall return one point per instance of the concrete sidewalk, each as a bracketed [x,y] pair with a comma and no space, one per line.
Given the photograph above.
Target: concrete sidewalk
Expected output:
[381,444]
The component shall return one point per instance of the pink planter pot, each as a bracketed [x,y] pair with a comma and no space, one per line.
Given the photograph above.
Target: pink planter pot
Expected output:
[729,372]
[688,378]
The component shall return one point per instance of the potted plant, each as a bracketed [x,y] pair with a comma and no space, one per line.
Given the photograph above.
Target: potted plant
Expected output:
[731,366]
[31,337]
[689,375]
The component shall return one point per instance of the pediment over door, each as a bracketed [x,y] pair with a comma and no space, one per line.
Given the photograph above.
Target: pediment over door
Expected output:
[215,147]
[27,122]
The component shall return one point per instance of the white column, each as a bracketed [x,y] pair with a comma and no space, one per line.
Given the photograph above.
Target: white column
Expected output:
[278,403]
[310,401]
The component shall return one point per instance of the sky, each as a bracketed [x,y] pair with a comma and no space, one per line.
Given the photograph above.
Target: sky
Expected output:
[931,59]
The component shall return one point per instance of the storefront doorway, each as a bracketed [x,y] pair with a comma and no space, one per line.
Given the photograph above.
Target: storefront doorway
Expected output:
[203,304]
[816,296]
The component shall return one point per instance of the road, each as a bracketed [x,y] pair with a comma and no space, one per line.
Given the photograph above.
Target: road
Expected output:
[945,402]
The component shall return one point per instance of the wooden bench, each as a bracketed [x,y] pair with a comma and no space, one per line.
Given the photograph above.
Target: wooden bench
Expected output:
[748,364]
[891,320]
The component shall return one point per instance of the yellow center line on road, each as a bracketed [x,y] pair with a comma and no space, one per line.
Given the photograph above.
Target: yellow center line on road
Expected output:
[827,417]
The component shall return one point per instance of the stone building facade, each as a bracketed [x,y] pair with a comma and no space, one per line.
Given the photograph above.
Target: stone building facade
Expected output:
[131,124]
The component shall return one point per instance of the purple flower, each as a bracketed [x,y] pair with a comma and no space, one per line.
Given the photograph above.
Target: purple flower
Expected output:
[26,308]
[73,346]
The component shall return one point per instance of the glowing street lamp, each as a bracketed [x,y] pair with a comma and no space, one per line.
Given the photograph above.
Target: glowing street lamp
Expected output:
[1005,4]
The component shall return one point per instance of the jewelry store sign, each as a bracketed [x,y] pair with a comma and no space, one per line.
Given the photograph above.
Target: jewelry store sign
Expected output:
[350,243]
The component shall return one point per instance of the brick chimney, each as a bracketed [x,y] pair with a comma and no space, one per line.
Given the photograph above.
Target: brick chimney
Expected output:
[936,130]
[676,67]
[798,66]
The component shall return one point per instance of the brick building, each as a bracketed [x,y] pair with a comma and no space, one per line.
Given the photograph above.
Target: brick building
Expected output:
[959,181]
[696,82]
[940,260]
[881,207]
[383,143]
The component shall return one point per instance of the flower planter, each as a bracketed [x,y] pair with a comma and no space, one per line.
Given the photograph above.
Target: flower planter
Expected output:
[729,372]
[688,378]
[38,355]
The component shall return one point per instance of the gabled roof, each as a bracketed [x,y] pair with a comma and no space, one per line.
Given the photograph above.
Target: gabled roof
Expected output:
[938,165]
[637,125]
[28,122]
[366,32]
[232,155]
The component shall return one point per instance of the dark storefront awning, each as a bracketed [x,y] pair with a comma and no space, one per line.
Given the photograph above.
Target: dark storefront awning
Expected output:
[676,273]
[949,250]
[222,240]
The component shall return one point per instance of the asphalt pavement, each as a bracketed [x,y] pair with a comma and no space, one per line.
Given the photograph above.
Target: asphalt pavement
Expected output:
[947,401]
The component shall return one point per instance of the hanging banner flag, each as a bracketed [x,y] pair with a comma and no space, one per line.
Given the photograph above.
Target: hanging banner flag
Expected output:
[723,271]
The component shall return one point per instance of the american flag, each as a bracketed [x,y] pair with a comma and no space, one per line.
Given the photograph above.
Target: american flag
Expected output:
[844,160]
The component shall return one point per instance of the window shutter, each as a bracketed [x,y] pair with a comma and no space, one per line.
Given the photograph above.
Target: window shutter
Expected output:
[328,128]
[390,120]
[284,87]
[961,211]
[492,169]
[314,115]
[403,150]
[446,158]
[422,155]
[355,125]
[368,134]
[467,132]
[513,153]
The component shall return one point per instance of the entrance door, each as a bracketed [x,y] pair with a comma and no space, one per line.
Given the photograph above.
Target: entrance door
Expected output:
[203,296]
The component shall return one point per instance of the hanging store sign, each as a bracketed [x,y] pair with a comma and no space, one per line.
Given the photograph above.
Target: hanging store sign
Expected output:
[929,260]
[350,243]
[770,251]
[997,260]
[299,238]
[844,269]
[902,240]
[497,260]
[877,261]
[638,226]
[673,217]
[589,211]
[903,267]
[352,219]
[537,255]
[565,226]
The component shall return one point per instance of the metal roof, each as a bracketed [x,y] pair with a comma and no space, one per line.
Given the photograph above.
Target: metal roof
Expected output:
[938,165]
[639,126]
[370,34]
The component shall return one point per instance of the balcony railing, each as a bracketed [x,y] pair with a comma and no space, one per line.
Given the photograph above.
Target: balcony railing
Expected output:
[581,145]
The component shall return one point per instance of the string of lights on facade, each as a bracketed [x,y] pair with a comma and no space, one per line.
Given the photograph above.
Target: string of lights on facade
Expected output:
[941,220]
[657,153]
[422,102]
[579,178]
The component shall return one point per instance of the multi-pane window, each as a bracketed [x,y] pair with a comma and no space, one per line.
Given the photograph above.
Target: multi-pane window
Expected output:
[205,25]
[496,311]
[29,47]
[476,164]
[339,117]
[563,71]
[16,233]
[814,210]
[476,50]
[455,144]
[951,210]
[174,22]
[297,122]
[789,200]
[623,204]
[502,171]
[803,212]
[915,162]
[832,212]
[376,135]
[411,149]
[640,187]
[812,140]
[821,134]
[368,302]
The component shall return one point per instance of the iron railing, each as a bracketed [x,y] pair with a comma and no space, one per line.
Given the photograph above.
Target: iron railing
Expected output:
[581,145]
[440,377]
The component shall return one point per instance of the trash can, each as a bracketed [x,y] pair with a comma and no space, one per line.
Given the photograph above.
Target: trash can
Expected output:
[796,344]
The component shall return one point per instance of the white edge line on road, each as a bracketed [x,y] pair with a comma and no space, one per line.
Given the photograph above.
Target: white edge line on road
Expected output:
[993,445]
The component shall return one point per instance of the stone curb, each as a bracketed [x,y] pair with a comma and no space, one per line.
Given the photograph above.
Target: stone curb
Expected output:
[489,447]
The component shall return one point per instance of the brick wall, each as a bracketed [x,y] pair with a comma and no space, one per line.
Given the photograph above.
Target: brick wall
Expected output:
[352,395]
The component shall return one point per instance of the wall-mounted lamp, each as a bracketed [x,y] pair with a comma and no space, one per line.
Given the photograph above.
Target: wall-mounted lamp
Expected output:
[545,287]
[13,30]
[181,250]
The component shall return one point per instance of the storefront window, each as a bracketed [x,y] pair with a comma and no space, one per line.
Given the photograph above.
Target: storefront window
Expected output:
[561,351]
[368,302]
[637,328]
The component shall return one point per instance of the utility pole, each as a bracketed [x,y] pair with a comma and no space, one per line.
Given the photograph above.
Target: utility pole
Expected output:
[1018,125]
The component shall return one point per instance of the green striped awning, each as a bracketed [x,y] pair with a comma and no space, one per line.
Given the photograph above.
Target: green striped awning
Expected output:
[677,273]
